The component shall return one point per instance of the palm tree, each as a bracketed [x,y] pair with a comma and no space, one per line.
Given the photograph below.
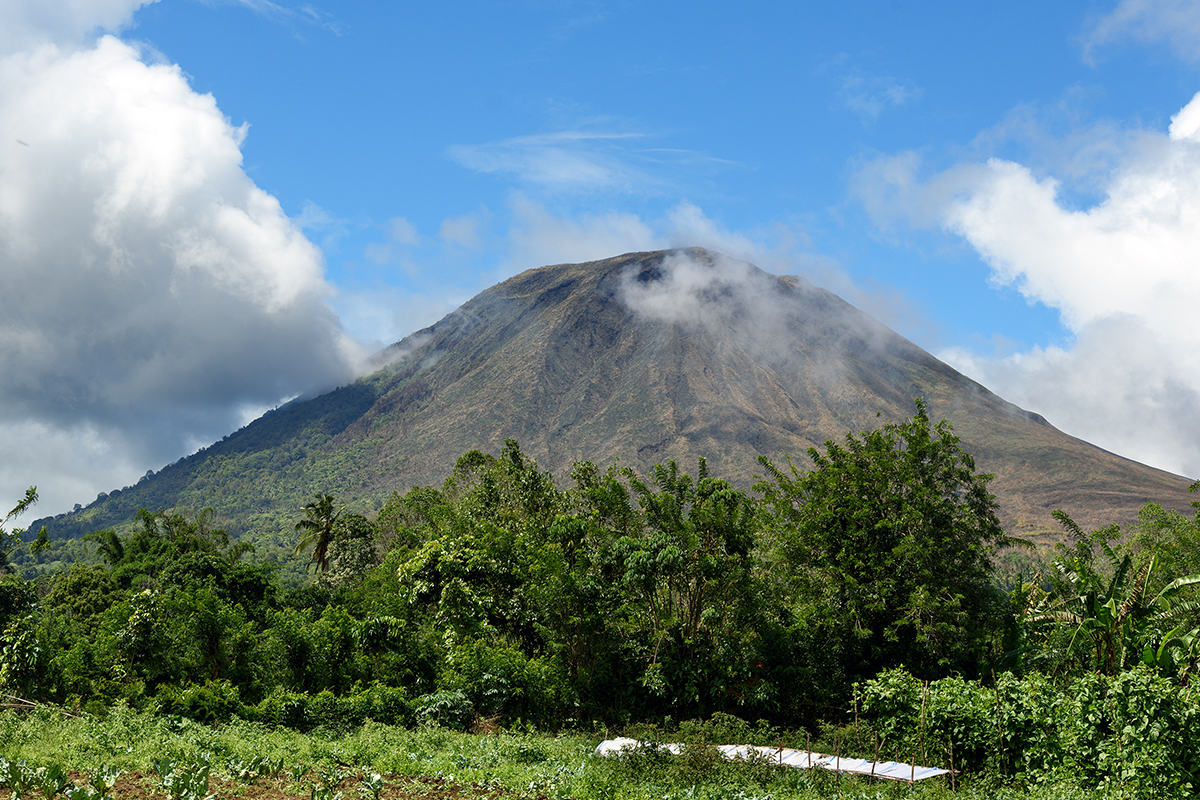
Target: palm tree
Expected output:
[108,545]
[317,529]
[8,540]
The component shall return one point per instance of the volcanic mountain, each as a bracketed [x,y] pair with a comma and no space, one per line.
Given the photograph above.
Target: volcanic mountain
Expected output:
[640,358]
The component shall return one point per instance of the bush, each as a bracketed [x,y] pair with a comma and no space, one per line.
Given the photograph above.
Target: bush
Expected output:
[214,701]
[1136,730]
[500,681]
[448,709]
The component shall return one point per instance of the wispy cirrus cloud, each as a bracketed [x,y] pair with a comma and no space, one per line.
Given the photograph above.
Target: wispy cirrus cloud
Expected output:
[563,159]
[1173,22]
[305,14]
[865,93]
[871,95]
[584,160]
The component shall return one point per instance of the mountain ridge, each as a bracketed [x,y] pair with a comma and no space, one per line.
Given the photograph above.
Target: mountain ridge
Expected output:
[640,358]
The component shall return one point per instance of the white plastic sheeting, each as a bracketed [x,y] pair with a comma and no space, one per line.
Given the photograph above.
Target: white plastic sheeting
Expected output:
[785,756]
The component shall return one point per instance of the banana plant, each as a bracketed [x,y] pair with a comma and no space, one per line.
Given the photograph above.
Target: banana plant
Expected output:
[1107,623]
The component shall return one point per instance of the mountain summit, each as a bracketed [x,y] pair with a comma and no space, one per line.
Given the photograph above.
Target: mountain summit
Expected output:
[640,358]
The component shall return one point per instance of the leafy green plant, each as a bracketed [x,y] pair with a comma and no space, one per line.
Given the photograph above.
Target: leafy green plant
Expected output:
[255,768]
[103,780]
[371,785]
[446,709]
[185,782]
[331,776]
[52,781]
[18,777]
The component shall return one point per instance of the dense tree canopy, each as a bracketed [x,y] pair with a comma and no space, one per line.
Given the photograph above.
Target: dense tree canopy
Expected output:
[890,536]
[615,597]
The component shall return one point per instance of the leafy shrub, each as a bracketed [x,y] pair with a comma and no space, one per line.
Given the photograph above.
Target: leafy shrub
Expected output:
[447,709]
[214,701]
[1030,711]
[1135,730]
[961,717]
[500,680]
[892,702]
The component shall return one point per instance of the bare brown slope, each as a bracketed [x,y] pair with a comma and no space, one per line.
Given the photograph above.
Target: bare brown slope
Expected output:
[641,358]
[556,359]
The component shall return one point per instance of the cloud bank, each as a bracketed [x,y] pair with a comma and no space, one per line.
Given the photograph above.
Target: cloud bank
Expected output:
[1122,273]
[153,294]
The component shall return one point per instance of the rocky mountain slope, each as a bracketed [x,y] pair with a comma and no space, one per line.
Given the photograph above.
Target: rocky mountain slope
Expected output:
[640,358]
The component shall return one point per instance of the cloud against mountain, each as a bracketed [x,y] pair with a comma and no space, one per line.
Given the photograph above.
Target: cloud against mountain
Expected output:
[153,294]
[1121,273]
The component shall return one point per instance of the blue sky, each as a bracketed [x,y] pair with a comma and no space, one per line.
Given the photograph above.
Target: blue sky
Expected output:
[1003,183]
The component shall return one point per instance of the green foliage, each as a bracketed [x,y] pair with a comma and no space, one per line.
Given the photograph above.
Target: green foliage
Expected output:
[214,701]
[185,781]
[1108,607]
[82,593]
[505,601]
[445,709]
[317,529]
[10,540]
[19,656]
[887,544]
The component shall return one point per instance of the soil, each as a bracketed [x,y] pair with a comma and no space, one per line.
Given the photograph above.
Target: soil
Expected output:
[140,786]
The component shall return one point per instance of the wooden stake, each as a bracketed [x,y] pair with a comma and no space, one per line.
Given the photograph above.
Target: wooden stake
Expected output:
[876,761]
[999,728]
[924,695]
[857,729]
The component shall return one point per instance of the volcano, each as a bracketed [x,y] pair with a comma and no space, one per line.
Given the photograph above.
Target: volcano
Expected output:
[638,359]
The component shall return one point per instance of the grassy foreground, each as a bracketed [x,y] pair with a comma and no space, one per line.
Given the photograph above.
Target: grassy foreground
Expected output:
[431,763]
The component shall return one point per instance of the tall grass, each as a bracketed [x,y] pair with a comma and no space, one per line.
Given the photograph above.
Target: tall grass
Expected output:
[526,763]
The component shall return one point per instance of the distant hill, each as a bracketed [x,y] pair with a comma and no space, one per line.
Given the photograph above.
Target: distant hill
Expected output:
[642,358]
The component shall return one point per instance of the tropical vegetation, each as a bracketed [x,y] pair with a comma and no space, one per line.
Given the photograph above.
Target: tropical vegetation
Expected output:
[860,602]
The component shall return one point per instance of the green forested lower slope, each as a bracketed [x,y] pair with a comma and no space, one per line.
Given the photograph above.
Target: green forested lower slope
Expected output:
[861,592]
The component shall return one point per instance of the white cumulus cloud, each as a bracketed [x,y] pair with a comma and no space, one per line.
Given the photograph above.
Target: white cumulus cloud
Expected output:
[152,291]
[1124,275]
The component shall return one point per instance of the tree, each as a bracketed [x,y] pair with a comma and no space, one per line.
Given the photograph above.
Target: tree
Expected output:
[352,552]
[108,545]
[10,539]
[687,576]
[317,529]
[888,540]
